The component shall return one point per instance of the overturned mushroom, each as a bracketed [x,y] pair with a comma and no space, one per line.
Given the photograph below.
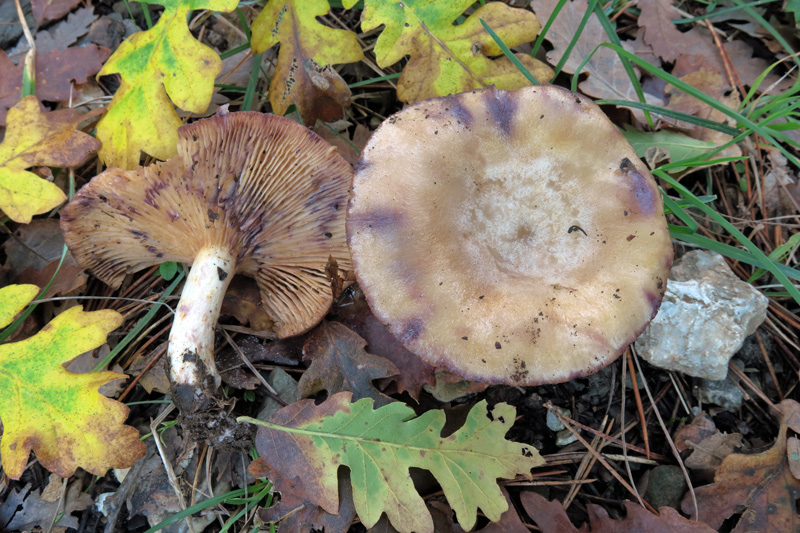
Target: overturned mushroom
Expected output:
[508,236]
[247,193]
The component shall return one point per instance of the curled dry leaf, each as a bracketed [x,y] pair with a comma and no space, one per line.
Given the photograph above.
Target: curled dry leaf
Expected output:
[303,75]
[761,483]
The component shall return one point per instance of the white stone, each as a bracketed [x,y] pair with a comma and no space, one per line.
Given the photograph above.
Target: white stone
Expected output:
[704,318]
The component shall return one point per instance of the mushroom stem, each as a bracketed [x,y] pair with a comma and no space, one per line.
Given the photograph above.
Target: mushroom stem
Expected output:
[192,335]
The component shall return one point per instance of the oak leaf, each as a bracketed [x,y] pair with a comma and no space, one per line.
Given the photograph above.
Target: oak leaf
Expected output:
[659,31]
[295,512]
[761,485]
[56,413]
[380,341]
[51,9]
[56,72]
[445,58]
[607,76]
[303,75]
[309,442]
[551,516]
[34,138]
[157,67]
[339,363]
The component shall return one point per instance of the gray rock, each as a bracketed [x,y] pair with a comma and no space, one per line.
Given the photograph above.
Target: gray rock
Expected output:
[552,420]
[706,314]
[665,487]
[724,392]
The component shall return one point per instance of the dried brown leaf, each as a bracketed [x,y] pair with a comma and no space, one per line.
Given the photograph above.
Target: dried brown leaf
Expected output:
[339,363]
[550,516]
[380,341]
[659,31]
[762,484]
[52,9]
[56,71]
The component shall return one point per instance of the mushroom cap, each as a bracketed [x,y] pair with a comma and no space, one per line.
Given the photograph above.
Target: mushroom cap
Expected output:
[508,236]
[266,187]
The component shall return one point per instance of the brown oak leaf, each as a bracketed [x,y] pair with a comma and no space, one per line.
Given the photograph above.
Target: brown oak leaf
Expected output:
[380,341]
[295,511]
[55,72]
[761,484]
[659,31]
[340,363]
[550,516]
[52,9]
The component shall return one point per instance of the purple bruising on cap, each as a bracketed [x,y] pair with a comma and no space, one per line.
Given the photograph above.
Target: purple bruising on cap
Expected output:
[643,193]
[502,107]
[361,165]
[410,330]
[459,112]
[654,300]
[380,219]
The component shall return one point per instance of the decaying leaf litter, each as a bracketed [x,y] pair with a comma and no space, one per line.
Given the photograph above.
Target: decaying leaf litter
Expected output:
[705,73]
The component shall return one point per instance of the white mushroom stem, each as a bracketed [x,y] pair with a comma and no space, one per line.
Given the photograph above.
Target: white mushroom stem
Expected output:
[192,335]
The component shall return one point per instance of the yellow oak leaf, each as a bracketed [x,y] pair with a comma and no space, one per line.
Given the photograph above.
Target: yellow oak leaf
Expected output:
[158,65]
[303,75]
[56,413]
[34,138]
[446,58]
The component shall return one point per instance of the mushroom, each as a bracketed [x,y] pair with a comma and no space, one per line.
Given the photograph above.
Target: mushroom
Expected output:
[508,236]
[247,193]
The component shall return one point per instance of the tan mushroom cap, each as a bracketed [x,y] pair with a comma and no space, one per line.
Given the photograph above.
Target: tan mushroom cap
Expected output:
[265,187]
[508,236]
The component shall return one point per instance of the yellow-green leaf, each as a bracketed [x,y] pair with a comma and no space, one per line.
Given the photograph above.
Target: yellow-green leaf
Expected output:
[13,299]
[309,442]
[158,65]
[56,413]
[447,58]
[303,75]
[34,138]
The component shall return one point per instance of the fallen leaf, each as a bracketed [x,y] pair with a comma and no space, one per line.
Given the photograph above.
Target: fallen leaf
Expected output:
[607,77]
[760,484]
[700,53]
[52,9]
[415,374]
[303,75]
[676,146]
[309,442]
[58,37]
[58,414]
[790,414]
[243,301]
[702,426]
[709,453]
[445,58]
[56,71]
[349,148]
[33,255]
[339,363]
[659,31]
[551,516]
[295,512]
[712,84]
[157,67]
[36,138]
[37,512]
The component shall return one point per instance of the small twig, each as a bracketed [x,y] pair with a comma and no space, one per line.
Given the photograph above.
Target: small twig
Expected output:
[173,479]
[672,446]
[272,392]
[639,407]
